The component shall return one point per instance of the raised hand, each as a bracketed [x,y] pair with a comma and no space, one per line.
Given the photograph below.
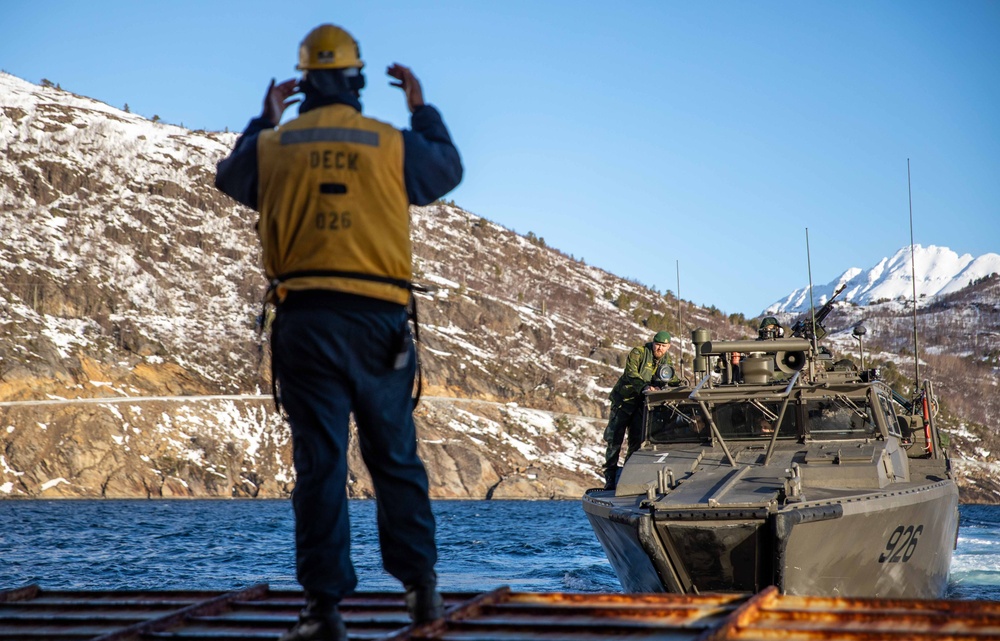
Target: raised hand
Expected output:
[409,84]
[276,100]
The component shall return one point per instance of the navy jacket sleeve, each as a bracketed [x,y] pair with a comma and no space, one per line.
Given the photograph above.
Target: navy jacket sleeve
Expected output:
[236,175]
[431,164]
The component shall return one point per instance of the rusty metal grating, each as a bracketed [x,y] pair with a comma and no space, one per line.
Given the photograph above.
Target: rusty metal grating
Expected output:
[33,614]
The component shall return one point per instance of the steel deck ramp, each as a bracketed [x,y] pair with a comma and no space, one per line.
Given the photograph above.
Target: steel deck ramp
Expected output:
[33,614]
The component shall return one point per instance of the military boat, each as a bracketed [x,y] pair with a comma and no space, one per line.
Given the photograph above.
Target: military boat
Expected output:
[798,471]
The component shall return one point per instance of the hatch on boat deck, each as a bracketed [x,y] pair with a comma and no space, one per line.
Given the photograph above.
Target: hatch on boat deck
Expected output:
[260,613]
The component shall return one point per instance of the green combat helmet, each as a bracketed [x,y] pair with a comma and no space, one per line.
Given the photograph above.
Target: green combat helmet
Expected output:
[664,374]
[769,329]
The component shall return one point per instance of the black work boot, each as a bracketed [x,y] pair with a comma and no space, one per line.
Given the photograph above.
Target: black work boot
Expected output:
[319,621]
[423,601]
[611,478]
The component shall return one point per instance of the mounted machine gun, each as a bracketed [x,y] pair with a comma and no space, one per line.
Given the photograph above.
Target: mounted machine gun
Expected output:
[813,328]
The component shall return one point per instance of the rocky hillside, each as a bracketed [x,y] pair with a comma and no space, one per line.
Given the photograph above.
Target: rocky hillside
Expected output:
[130,365]
[129,275]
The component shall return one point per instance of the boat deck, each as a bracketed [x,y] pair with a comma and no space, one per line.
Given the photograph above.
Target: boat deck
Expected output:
[31,613]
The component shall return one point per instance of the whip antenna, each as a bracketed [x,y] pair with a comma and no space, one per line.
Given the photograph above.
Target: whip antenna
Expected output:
[812,307]
[913,277]
[680,336]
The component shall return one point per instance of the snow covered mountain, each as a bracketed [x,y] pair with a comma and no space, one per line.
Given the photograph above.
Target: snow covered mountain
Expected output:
[939,271]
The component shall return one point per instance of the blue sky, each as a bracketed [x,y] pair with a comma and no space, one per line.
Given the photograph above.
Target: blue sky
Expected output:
[634,135]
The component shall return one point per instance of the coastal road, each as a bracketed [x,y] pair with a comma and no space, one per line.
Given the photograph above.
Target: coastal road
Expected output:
[111,400]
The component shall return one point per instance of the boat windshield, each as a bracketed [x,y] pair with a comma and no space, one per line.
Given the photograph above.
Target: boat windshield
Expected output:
[676,424]
[839,418]
[752,419]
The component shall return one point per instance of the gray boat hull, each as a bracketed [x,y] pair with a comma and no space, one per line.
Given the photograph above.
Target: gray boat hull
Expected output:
[892,544]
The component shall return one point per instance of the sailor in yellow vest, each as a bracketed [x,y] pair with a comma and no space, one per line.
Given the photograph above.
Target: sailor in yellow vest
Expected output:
[333,189]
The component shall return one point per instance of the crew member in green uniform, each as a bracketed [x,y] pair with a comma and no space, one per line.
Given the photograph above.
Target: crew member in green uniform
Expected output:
[626,402]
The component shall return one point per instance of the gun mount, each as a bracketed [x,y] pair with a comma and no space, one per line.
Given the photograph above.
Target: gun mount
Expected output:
[808,328]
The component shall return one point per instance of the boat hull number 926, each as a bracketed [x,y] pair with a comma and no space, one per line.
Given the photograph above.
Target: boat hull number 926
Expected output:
[901,545]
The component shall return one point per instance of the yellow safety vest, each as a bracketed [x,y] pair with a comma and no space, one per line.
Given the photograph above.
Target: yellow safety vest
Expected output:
[334,213]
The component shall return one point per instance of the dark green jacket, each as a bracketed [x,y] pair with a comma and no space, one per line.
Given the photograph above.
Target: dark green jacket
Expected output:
[639,369]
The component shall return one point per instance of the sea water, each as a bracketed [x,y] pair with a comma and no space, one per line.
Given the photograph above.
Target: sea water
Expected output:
[530,546]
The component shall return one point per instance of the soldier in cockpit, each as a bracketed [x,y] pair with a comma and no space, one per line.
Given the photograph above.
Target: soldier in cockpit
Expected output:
[769,329]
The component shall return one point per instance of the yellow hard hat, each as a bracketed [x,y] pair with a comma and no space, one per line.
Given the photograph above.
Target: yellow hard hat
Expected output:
[329,47]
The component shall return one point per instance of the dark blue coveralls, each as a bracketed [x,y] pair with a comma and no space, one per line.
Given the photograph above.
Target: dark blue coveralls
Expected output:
[334,353]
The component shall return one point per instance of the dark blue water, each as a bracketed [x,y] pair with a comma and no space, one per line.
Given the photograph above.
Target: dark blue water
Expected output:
[531,546]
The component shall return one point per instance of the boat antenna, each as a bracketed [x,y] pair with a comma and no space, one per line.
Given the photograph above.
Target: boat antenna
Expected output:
[913,277]
[679,326]
[812,308]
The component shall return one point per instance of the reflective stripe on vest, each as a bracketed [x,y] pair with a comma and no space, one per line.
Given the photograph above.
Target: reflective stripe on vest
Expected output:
[333,203]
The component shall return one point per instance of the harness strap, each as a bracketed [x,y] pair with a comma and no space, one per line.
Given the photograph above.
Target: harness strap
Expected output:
[334,273]
[411,313]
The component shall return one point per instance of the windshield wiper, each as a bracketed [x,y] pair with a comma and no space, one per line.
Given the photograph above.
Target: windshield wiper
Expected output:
[768,414]
[849,404]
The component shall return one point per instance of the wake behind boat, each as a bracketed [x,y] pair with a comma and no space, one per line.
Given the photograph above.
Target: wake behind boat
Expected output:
[806,474]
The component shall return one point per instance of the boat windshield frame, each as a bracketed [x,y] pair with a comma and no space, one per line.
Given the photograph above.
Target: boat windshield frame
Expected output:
[719,415]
